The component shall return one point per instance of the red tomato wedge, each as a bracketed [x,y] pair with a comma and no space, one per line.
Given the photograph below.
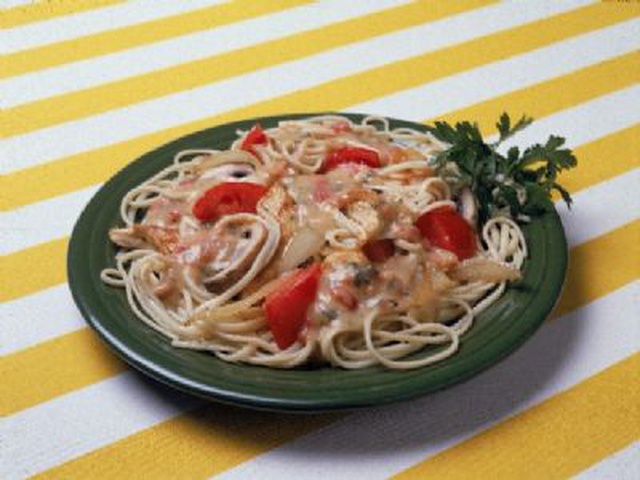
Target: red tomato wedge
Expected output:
[227,198]
[345,155]
[445,228]
[379,250]
[287,307]
[256,136]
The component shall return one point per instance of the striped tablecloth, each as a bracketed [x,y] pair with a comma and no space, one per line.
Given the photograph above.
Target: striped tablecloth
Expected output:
[89,85]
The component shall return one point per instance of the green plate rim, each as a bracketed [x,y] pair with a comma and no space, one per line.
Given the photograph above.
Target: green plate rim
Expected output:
[86,256]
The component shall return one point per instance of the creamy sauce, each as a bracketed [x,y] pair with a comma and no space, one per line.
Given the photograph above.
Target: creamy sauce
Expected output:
[352,286]
[349,215]
[221,249]
[165,212]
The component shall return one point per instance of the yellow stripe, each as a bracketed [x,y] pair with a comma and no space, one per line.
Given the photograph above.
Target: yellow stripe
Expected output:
[555,94]
[51,179]
[591,273]
[48,9]
[118,39]
[30,370]
[75,105]
[555,439]
[70,362]
[36,268]
[195,445]
[606,157]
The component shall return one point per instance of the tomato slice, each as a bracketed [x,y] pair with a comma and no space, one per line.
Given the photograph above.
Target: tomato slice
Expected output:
[286,308]
[447,229]
[346,155]
[228,198]
[379,250]
[256,136]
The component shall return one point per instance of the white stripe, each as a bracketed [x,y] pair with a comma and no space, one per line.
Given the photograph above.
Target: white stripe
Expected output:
[186,48]
[42,221]
[562,354]
[80,24]
[53,218]
[384,441]
[579,123]
[622,465]
[38,317]
[610,204]
[14,3]
[125,123]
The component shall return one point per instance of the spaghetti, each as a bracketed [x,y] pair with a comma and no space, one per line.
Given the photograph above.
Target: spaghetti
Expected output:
[319,240]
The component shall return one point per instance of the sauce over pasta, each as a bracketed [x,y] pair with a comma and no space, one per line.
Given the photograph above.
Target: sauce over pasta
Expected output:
[317,241]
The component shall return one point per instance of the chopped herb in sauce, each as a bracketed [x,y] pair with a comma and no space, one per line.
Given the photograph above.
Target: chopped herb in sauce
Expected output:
[365,274]
[329,313]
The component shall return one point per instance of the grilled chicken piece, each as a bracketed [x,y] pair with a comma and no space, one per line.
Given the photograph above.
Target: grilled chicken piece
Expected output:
[356,194]
[366,216]
[278,202]
[347,257]
[485,270]
[164,240]
[443,260]
[225,164]
[171,284]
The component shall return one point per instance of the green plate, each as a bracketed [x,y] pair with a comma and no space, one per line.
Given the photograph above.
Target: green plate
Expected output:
[496,333]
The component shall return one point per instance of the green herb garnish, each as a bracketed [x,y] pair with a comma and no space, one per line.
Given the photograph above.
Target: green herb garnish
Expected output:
[520,182]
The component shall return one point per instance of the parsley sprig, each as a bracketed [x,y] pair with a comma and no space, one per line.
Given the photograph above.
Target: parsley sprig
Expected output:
[520,182]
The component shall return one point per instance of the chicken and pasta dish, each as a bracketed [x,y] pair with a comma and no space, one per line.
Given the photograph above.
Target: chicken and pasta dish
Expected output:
[318,241]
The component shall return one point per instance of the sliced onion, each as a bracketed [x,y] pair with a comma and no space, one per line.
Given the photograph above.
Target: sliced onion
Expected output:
[222,158]
[304,244]
[402,268]
[229,171]
[440,281]
[485,270]
[424,300]
[468,207]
